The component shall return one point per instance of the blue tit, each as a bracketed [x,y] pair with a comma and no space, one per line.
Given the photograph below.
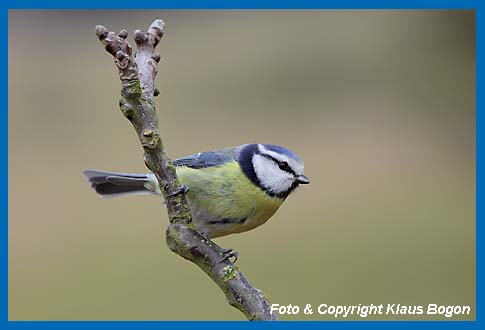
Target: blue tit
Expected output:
[232,190]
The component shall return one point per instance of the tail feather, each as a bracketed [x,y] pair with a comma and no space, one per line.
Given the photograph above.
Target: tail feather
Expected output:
[111,184]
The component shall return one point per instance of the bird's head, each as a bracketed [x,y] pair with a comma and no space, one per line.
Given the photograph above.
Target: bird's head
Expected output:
[276,170]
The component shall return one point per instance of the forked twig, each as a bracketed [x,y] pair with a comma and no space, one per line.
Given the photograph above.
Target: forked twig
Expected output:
[137,75]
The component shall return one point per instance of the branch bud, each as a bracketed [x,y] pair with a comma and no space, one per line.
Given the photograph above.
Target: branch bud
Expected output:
[120,55]
[140,37]
[101,32]
[156,57]
[123,34]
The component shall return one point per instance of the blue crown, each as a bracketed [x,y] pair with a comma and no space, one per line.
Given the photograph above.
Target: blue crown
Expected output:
[282,151]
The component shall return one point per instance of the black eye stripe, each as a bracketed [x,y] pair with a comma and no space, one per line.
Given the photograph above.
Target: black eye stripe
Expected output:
[283,165]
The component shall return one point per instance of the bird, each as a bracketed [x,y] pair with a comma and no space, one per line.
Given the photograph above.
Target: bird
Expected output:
[229,191]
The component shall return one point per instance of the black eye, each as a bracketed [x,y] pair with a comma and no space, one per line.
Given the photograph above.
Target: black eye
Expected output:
[284,166]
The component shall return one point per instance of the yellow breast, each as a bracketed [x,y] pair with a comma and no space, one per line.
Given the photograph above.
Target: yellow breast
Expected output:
[224,201]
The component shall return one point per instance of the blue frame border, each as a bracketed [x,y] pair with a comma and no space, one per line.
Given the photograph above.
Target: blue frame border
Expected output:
[240,4]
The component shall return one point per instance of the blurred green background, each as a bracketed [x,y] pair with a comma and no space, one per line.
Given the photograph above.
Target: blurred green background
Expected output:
[379,104]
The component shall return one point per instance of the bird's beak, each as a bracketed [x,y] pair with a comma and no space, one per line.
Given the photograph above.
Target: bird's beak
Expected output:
[302,179]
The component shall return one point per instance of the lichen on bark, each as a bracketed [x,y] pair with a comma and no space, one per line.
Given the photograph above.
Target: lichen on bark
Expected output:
[137,74]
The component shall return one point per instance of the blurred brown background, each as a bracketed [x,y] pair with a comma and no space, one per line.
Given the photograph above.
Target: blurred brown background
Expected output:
[379,104]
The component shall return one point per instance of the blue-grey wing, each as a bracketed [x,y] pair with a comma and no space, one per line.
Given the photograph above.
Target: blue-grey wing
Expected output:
[208,158]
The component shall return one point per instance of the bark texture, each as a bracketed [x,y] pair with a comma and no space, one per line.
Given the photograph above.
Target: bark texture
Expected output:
[137,74]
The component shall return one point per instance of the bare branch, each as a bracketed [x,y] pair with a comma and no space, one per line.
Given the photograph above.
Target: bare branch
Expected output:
[137,77]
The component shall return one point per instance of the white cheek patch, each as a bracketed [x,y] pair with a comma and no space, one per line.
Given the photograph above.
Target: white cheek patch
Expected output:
[270,176]
[298,167]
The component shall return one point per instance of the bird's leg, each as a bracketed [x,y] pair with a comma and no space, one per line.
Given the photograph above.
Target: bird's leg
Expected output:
[227,254]
[183,189]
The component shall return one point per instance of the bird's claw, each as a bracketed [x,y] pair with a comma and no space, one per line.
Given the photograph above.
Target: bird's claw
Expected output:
[227,254]
[182,190]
